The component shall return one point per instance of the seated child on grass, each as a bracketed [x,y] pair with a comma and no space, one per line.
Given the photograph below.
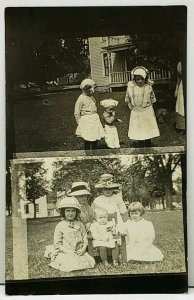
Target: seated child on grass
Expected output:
[140,236]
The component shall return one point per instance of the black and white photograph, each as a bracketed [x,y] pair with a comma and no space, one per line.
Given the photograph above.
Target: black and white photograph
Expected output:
[80,91]
[96,216]
[96,161]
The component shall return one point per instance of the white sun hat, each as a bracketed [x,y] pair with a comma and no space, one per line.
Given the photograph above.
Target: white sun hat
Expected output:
[79,188]
[108,102]
[141,71]
[68,202]
[87,81]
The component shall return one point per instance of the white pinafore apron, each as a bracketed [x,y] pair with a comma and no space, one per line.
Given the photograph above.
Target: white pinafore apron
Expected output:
[90,127]
[143,124]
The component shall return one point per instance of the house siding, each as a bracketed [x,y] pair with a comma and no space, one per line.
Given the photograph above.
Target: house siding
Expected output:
[96,61]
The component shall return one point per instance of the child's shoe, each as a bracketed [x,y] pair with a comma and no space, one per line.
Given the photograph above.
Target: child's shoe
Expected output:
[115,262]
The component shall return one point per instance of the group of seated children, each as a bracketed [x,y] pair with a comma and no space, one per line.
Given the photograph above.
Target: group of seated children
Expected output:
[106,220]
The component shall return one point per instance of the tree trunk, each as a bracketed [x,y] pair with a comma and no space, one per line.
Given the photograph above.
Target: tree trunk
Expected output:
[34,204]
[168,189]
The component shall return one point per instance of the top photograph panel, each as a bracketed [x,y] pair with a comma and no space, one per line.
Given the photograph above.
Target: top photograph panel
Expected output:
[95,78]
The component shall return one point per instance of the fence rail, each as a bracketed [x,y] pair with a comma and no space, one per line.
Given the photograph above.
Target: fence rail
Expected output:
[124,77]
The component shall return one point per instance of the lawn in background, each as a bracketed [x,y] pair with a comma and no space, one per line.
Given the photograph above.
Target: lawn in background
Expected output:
[47,123]
[169,238]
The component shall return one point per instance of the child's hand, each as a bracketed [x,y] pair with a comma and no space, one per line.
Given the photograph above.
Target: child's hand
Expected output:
[120,121]
[81,251]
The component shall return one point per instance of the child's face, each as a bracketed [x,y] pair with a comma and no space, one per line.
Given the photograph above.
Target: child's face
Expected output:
[89,91]
[70,214]
[102,218]
[109,109]
[82,199]
[107,192]
[135,215]
[139,80]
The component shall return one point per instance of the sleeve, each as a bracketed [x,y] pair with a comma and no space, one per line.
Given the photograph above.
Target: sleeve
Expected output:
[120,203]
[77,110]
[84,234]
[152,96]
[150,231]
[92,215]
[128,96]
[58,238]
[95,233]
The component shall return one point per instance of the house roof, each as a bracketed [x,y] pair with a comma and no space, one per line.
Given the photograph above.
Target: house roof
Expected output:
[116,48]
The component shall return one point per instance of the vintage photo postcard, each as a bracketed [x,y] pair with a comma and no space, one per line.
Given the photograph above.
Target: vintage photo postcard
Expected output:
[95,77]
[96,172]
[96,217]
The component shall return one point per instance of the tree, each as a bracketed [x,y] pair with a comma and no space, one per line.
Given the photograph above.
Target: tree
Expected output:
[35,182]
[164,54]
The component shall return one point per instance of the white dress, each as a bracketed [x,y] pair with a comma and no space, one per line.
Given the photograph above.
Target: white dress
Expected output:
[140,235]
[111,136]
[102,237]
[68,238]
[113,204]
[142,123]
[89,125]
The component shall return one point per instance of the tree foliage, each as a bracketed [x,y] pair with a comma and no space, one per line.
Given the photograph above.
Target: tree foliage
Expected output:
[144,178]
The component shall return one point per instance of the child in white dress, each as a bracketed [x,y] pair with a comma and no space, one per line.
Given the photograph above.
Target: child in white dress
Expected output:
[104,237]
[89,125]
[140,97]
[70,240]
[111,198]
[111,134]
[140,236]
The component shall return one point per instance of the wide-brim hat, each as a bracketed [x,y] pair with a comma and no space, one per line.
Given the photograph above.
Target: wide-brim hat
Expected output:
[106,182]
[68,202]
[79,188]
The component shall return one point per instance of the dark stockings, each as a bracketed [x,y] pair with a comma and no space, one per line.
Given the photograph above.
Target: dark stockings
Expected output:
[104,252]
[88,145]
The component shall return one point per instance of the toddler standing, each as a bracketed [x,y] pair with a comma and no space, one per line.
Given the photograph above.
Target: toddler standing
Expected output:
[89,125]
[111,134]
[104,237]
[140,97]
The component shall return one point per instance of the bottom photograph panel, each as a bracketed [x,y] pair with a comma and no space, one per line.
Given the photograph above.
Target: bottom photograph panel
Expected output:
[96,216]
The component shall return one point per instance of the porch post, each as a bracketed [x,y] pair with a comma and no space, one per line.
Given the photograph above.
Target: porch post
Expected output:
[110,69]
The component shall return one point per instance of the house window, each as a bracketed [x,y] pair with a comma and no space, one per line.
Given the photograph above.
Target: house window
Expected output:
[26,208]
[103,39]
[106,64]
[37,208]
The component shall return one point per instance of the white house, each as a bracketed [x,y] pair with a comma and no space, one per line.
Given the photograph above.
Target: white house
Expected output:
[108,61]
[45,207]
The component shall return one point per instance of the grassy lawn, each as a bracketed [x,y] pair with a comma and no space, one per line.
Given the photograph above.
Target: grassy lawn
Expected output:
[46,122]
[169,238]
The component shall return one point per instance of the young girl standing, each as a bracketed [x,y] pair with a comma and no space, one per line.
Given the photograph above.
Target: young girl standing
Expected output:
[140,236]
[111,134]
[70,239]
[81,191]
[89,125]
[140,97]
[110,198]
